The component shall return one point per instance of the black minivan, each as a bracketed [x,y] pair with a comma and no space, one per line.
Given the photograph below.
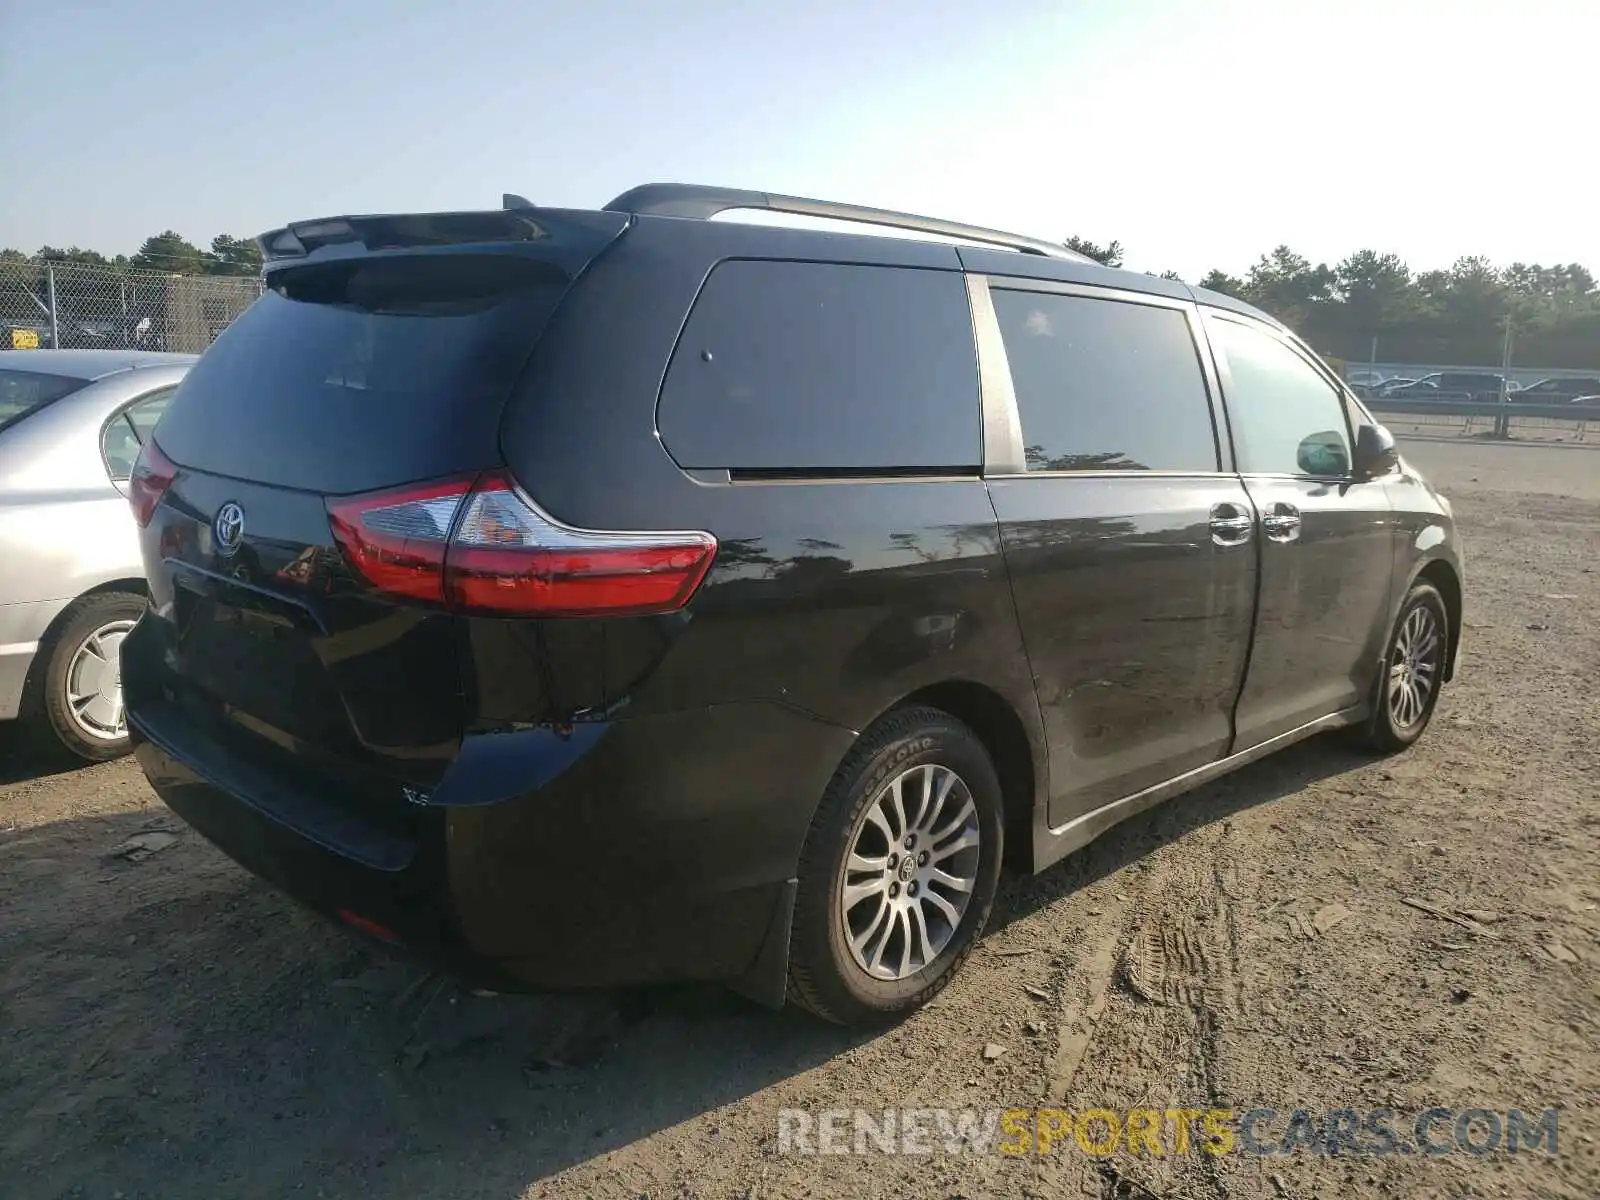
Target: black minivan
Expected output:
[584,598]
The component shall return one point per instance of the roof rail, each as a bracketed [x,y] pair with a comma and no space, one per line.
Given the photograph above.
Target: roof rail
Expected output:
[702,201]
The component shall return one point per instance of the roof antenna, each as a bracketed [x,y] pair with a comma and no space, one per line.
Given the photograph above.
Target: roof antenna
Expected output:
[512,200]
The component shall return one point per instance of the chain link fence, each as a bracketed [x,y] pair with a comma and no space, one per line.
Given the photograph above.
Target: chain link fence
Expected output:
[1582,426]
[87,307]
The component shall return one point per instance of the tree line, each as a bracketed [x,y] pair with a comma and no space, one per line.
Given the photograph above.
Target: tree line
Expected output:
[168,253]
[1457,316]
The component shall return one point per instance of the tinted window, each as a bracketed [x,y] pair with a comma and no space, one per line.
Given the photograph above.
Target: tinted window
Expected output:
[1286,418]
[1105,385]
[21,392]
[797,366]
[355,375]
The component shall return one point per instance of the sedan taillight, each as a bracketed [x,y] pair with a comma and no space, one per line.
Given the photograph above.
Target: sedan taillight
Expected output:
[483,547]
[152,475]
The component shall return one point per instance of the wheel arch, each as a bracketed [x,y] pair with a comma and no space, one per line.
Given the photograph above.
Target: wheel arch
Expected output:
[41,659]
[1017,759]
[1442,575]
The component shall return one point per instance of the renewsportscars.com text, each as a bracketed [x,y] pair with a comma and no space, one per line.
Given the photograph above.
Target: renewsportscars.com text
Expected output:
[1102,1132]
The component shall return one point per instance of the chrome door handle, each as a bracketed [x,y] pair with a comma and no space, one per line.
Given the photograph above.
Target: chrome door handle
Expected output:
[1281,522]
[1230,524]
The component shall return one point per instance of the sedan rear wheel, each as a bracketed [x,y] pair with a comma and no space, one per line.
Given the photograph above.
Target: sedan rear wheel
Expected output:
[82,678]
[94,683]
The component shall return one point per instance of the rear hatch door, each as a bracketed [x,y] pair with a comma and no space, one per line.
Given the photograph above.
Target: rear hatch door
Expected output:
[357,372]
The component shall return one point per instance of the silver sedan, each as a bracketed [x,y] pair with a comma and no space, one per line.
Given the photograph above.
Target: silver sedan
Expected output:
[71,582]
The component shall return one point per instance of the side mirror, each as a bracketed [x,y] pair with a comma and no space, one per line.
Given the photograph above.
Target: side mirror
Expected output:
[1376,455]
[1324,455]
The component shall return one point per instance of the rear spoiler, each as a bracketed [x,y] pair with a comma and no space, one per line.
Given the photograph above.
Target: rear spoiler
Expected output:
[394,232]
[563,230]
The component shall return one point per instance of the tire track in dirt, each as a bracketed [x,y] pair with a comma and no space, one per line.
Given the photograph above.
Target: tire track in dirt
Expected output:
[1089,989]
[1163,980]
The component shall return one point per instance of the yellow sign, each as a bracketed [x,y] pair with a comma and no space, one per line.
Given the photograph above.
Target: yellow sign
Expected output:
[24,339]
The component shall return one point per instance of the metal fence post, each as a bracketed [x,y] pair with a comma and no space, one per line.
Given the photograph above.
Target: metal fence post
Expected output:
[1502,423]
[50,289]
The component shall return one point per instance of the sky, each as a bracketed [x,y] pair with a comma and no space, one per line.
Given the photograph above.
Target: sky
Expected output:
[1199,133]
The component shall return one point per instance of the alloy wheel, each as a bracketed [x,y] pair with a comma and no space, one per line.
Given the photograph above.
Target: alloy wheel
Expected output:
[1414,667]
[911,871]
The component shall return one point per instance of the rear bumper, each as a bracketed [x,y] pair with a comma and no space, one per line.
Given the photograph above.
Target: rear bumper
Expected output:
[407,902]
[659,848]
[15,659]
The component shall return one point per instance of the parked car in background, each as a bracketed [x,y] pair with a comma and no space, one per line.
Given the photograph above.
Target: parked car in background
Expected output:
[1362,382]
[1475,386]
[1587,401]
[71,426]
[1558,390]
[1401,383]
[586,598]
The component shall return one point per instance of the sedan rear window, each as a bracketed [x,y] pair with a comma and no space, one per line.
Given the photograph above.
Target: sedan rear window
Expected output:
[23,392]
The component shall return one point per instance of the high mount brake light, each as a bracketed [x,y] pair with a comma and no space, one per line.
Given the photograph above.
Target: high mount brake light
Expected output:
[483,547]
[152,475]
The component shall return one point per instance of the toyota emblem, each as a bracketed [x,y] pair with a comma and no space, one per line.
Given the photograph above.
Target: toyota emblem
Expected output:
[229,527]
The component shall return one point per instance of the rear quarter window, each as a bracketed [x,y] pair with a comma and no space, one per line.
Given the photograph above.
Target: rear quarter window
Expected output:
[793,366]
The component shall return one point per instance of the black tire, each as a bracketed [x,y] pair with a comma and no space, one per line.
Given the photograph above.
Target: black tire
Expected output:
[48,704]
[1385,731]
[823,974]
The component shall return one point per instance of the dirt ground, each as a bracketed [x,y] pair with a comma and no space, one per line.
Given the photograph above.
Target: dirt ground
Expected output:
[171,1028]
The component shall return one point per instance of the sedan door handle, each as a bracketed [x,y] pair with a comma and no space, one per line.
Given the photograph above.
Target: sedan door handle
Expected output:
[1230,524]
[1281,522]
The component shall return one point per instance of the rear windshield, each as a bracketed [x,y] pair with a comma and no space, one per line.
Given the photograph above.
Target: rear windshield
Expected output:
[23,392]
[357,375]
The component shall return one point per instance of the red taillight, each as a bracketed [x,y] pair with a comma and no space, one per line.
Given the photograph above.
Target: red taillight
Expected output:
[153,474]
[486,548]
[508,557]
[396,539]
